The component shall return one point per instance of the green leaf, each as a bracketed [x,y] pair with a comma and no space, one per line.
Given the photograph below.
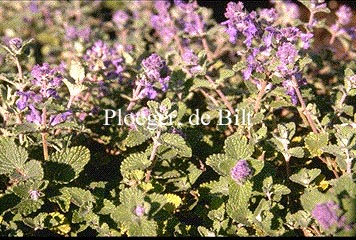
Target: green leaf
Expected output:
[144,227]
[296,152]
[135,161]
[344,184]
[314,142]
[28,206]
[304,61]
[135,138]
[278,191]
[305,176]
[220,163]
[177,143]
[237,205]
[225,74]
[33,170]
[312,197]
[131,197]
[78,196]
[237,148]
[65,166]
[11,156]
[298,219]
[76,71]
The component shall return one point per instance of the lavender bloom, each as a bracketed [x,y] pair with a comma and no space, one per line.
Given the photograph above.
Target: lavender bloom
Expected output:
[326,214]
[51,76]
[26,97]
[192,22]
[269,15]
[241,171]
[15,44]
[344,15]
[100,57]
[162,22]
[290,86]
[34,116]
[33,7]
[155,70]
[287,53]
[59,118]
[120,18]
[306,37]
[148,91]
[34,194]
[139,211]
[292,9]
[192,61]
[240,22]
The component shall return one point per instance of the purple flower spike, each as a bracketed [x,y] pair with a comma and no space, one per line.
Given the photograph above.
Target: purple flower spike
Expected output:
[139,211]
[344,15]
[326,214]
[120,18]
[15,43]
[241,171]
[34,116]
[59,118]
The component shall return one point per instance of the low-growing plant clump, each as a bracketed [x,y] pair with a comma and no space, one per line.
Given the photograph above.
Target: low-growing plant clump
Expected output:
[149,118]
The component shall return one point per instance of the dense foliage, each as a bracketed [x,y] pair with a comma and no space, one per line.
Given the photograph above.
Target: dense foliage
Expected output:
[149,118]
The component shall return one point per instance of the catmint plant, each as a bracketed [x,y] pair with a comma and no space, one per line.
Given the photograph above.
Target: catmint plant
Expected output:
[168,118]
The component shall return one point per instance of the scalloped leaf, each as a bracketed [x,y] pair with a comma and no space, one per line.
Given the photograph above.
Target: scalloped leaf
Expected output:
[144,227]
[237,205]
[135,138]
[173,199]
[58,223]
[220,163]
[11,156]
[78,196]
[315,142]
[65,166]
[236,147]
[305,176]
[131,197]
[135,161]
[177,143]
[28,206]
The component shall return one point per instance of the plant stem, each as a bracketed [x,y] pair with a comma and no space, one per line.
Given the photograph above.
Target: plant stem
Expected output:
[152,159]
[134,97]
[260,95]
[71,98]
[348,162]
[222,96]
[206,48]
[304,108]
[43,134]
[19,69]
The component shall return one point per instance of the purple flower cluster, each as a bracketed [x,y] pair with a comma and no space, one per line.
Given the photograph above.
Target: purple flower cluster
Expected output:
[163,23]
[139,211]
[15,44]
[46,81]
[155,70]
[344,16]
[192,61]
[101,57]
[191,21]
[326,214]
[241,171]
[74,33]
[239,21]
[120,18]
[276,49]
